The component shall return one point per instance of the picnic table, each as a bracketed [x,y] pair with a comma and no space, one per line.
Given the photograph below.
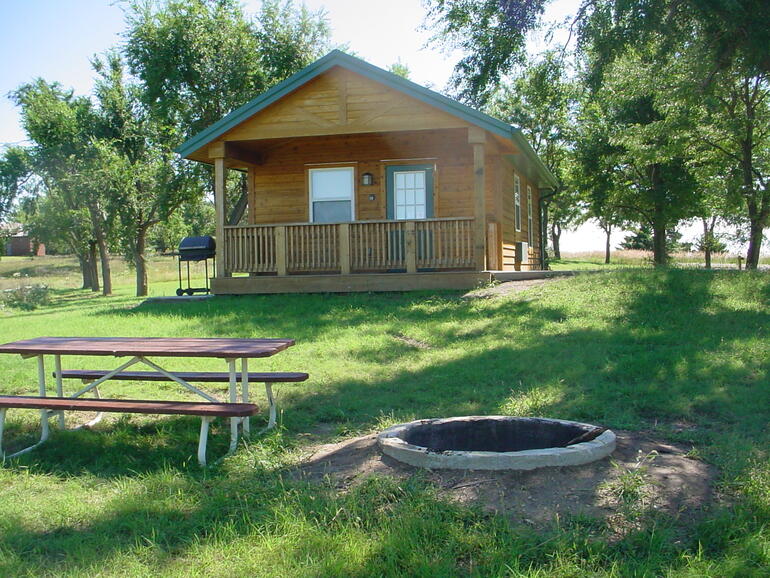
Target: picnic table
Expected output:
[139,350]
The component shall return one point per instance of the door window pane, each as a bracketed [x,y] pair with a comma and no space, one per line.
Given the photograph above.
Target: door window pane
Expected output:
[410,194]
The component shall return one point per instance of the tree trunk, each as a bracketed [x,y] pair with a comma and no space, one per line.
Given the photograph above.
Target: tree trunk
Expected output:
[608,234]
[94,271]
[544,235]
[97,224]
[707,243]
[86,271]
[140,262]
[755,243]
[104,257]
[659,253]
[555,236]
[659,250]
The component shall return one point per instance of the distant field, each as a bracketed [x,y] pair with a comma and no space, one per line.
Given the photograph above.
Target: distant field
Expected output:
[621,259]
[63,272]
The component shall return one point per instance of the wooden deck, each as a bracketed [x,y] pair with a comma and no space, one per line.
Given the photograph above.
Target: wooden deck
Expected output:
[350,283]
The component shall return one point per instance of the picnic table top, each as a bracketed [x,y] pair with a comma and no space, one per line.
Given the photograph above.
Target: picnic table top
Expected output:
[219,347]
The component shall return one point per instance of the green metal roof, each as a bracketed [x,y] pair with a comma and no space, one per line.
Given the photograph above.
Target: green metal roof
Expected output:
[339,58]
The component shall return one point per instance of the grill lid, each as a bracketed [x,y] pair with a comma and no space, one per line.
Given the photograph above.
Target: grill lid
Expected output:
[197,248]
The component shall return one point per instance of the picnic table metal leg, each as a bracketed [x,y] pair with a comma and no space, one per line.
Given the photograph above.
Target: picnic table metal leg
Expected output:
[59,386]
[42,393]
[245,393]
[43,434]
[233,399]
[203,439]
[271,402]
[2,427]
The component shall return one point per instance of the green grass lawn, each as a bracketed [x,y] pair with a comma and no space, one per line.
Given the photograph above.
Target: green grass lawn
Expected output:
[633,349]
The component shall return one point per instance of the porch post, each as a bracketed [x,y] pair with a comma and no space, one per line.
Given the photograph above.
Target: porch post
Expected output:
[477,138]
[220,209]
[344,248]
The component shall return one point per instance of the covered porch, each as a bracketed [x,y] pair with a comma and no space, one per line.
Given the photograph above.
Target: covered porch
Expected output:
[259,251]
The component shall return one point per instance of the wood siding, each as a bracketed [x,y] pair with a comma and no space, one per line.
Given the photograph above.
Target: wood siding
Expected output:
[509,233]
[279,193]
[341,102]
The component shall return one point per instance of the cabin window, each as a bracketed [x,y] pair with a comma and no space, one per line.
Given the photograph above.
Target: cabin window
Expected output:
[530,228]
[331,195]
[517,202]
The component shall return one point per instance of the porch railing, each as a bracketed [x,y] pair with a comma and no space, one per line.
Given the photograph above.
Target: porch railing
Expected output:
[363,246]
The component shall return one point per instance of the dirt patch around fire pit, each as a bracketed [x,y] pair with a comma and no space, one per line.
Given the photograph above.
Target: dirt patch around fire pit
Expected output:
[642,477]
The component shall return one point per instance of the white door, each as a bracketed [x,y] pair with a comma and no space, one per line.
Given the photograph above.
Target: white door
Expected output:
[409,194]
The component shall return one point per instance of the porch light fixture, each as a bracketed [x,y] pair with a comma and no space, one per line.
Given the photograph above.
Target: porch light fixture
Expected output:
[367,179]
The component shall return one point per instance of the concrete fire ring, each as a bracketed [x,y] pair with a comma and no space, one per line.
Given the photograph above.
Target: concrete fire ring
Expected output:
[393,442]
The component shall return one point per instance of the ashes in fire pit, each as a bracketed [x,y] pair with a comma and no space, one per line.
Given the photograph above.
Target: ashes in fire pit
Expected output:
[496,443]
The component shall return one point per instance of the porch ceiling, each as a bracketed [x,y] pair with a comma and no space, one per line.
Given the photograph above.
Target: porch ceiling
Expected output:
[258,151]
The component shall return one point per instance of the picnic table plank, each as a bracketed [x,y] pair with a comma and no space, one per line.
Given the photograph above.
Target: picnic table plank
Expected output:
[129,406]
[197,376]
[217,347]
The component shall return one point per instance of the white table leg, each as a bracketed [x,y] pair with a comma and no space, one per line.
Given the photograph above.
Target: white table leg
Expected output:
[233,399]
[245,393]
[271,401]
[59,386]
[42,393]
[203,439]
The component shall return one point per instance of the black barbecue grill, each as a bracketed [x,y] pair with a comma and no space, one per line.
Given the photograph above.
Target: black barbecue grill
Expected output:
[193,250]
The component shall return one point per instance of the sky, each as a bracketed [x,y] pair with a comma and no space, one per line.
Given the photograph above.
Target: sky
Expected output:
[55,40]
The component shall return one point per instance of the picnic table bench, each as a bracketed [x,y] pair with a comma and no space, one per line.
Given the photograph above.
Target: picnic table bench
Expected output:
[206,411]
[139,349]
[90,375]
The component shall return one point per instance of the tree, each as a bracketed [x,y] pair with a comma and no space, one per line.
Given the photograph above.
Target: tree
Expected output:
[15,171]
[640,146]
[400,69]
[135,168]
[62,128]
[492,33]
[198,60]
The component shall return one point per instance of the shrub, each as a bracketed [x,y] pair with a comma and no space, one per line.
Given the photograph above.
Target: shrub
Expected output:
[28,297]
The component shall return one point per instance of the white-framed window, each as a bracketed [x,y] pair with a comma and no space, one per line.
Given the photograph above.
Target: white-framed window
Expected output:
[517,202]
[332,191]
[530,220]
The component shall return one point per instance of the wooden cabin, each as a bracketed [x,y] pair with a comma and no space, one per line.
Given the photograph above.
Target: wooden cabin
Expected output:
[360,180]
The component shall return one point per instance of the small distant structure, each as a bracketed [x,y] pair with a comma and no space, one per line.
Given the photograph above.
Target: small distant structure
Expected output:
[18,243]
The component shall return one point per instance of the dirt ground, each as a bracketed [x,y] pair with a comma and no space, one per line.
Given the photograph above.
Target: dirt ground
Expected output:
[509,287]
[641,477]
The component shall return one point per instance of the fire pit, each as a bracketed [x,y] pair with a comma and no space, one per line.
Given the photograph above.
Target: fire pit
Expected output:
[496,443]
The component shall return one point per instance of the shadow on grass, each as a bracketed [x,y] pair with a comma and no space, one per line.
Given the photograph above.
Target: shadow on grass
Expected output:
[672,351]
